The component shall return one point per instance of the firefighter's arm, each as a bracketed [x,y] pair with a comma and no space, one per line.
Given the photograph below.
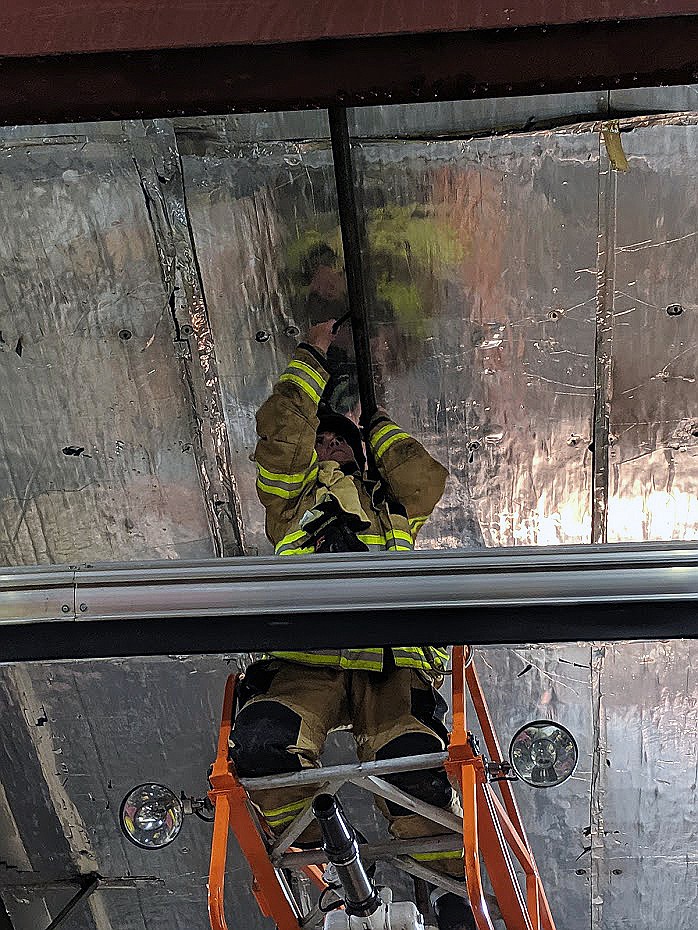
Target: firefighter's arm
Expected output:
[286,426]
[414,478]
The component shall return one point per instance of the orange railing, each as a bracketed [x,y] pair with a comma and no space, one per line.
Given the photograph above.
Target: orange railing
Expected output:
[492,828]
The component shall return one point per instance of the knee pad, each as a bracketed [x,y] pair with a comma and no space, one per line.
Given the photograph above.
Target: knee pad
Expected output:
[260,738]
[429,785]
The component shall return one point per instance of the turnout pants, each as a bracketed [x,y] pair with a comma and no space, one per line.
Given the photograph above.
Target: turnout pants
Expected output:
[289,709]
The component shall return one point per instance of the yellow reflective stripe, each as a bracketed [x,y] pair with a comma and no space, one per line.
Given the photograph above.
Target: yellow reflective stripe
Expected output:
[371,540]
[382,431]
[416,523]
[411,657]
[283,487]
[308,658]
[434,856]
[277,492]
[399,534]
[282,547]
[291,537]
[288,479]
[306,550]
[301,384]
[286,809]
[336,660]
[383,448]
[301,366]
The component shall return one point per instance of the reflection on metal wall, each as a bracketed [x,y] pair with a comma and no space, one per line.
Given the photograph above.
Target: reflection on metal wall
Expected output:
[276,203]
[654,400]
[156,279]
[616,843]
[520,328]
[482,263]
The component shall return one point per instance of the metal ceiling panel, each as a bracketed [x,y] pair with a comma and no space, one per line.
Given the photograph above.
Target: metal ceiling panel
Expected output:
[271,199]
[90,256]
[456,118]
[482,261]
[79,734]
[645,805]
[95,423]
[654,400]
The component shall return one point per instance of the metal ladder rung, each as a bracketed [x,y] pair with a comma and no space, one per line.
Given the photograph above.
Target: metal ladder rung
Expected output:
[344,772]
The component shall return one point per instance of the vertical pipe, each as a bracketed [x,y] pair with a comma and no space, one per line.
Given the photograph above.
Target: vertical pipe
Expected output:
[352,242]
[603,391]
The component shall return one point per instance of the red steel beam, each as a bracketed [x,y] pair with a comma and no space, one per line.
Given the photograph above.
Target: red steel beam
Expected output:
[51,27]
[356,71]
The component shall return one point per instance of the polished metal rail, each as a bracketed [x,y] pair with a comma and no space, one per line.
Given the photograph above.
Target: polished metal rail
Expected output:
[494,596]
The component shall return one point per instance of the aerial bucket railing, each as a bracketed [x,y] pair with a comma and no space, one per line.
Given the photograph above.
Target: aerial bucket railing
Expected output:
[490,831]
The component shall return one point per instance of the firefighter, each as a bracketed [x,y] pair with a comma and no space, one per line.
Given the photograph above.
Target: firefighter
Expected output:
[311,480]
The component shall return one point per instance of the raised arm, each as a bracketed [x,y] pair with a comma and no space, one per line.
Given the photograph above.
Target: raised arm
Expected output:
[414,478]
[287,423]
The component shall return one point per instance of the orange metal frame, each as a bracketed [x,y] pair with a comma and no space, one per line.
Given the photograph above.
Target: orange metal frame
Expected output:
[492,828]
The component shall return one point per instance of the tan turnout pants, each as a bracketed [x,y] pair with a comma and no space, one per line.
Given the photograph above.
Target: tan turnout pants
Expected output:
[394,713]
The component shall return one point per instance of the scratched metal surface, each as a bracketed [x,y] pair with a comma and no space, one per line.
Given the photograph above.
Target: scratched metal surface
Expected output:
[484,327]
[87,366]
[654,402]
[275,201]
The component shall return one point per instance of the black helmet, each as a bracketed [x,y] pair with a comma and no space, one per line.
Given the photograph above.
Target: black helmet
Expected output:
[347,429]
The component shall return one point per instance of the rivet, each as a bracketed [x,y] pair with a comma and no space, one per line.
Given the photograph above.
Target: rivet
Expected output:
[674,309]
[66,609]
[125,334]
[580,872]
[186,329]
[262,336]
[83,607]
[291,331]
[616,871]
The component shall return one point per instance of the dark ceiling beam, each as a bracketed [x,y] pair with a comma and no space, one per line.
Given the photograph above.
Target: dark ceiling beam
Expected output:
[51,27]
[350,71]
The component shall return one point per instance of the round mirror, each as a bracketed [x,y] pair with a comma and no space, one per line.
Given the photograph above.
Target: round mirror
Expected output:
[543,754]
[151,816]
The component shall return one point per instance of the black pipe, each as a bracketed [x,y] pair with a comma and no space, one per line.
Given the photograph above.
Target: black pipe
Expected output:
[353,242]
[89,884]
[341,845]
[5,921]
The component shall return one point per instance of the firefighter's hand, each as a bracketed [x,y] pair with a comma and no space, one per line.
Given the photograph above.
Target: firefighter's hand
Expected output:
[321,335]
